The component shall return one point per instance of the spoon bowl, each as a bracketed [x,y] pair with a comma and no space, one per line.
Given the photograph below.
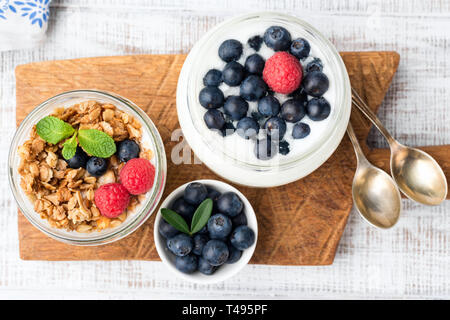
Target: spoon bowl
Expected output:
[418,175]
[375,193]
[376,197]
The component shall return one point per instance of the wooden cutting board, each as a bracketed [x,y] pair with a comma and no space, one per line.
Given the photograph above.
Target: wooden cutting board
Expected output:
[299,224]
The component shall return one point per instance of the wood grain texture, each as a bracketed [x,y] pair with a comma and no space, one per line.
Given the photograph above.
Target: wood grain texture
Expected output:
[409,261]
[300,223]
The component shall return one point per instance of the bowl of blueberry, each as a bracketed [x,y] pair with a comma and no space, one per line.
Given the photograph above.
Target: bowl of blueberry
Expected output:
[263,99]
[206,231]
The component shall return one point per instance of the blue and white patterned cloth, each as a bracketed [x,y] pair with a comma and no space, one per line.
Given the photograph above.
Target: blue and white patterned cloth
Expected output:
[23,23]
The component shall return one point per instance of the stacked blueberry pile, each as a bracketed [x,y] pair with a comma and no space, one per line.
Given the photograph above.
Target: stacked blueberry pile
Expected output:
[258,80]
[222,237]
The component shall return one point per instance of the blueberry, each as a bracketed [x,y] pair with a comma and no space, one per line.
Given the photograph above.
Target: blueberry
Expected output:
[293,110]
[230,50]
[315,83]
[184,209]
[299,94]
[127,150]
[242,237]
[258,117]
[254,64]
[199,242]
[215,252]
[255,42]
[229,203]
[275,127]
[239,220]
[166,230]
[318,109]
[214,119]
[253,88]
[265,149]
[269,106]
[195,193]
[180,245]
[233,73]
[277,38]
[235,107]
[300,48]
[219,226]
[187,264]
[270,92]
[211,97]
[205,267]
[283,147]
[213,78]
[314,65]
[247,128]
[213,194]
[203,231]
[97,166]
[300,130]
[228,129]
[235,254]
[78,160]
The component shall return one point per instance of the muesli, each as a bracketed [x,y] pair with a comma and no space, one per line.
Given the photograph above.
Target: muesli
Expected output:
[71,167]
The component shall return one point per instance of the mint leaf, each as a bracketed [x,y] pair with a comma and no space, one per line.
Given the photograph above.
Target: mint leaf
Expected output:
[53,130]
[175,220]
[201,215]
[70,147]
[96,143]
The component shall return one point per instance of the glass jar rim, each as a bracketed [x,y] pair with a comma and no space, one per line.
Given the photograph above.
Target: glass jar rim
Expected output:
[188,98]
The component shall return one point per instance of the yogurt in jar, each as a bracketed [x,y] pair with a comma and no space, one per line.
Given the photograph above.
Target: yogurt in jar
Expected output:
[234,145]
[232,156]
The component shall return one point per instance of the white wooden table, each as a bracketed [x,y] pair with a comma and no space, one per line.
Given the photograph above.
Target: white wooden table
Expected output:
[410,261]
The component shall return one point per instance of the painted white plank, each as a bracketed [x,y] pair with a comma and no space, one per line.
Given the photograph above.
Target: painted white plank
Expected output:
[409,261]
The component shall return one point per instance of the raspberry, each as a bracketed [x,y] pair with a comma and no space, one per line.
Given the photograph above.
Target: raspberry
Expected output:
[137,175]
[112,199]
[283,73]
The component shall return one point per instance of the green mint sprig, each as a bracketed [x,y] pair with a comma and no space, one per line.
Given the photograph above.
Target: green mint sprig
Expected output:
[95,142]
[70,147]
[53,130]
[199,220]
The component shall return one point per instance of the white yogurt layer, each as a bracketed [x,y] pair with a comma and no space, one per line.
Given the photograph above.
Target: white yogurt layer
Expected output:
[234,145]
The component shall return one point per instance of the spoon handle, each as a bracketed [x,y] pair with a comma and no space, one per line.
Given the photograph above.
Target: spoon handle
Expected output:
[362,106]
[360,157]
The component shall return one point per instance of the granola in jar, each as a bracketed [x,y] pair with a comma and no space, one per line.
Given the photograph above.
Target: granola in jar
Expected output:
[63,190]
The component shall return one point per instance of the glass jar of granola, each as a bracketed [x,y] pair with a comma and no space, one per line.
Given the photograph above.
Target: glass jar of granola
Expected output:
[56,195]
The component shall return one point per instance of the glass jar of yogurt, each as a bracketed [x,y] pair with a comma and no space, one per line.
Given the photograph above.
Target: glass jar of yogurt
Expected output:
[233,157]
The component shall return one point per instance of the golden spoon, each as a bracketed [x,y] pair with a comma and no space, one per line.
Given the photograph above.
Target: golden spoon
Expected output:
[375,194]
[416,173]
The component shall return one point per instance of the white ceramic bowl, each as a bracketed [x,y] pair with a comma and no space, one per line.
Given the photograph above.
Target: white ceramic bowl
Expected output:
[236,164]
[226,270]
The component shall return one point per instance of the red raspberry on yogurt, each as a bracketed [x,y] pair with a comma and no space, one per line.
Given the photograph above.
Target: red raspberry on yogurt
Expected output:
[283,72]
